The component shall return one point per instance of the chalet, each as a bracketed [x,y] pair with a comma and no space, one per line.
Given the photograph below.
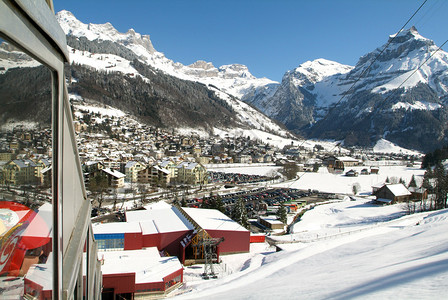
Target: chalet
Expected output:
[351,173]
[365,172]
[243,159]
[338,164]
[393,193]
[271,223]
[374,170]
[376,187]
[418,193]
[115,179]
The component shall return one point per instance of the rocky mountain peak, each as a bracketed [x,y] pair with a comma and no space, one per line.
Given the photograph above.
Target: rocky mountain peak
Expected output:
[235,70]
[314,71]
[200,64]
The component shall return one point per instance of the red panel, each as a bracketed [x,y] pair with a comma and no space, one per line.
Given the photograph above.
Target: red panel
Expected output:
[121,283]
[151,240]
[133,241]
[234,241]
[149,287]
[257,238]
[170,242]
[174,275]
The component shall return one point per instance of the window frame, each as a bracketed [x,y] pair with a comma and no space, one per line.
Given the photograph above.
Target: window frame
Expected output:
[32,27]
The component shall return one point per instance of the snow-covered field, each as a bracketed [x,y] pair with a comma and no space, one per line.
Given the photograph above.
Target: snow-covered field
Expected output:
[334,183]
[340,250]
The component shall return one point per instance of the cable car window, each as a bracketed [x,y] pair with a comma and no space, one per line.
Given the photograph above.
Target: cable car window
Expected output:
[26,212]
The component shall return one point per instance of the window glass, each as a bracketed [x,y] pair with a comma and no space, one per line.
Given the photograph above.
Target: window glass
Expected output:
[26,211]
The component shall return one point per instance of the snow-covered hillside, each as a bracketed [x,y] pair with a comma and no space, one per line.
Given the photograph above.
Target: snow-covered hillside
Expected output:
[358,251]
[11,57]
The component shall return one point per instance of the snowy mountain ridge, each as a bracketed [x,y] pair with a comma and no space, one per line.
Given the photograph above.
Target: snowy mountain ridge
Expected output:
[391,100]
[234,79]
[103,48]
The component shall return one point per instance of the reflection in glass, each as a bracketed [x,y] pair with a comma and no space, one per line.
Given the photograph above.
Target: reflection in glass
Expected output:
[26,211]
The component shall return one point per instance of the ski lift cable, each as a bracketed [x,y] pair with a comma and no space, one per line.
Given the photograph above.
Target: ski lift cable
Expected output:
[366,69]
[376,58]
[415,71]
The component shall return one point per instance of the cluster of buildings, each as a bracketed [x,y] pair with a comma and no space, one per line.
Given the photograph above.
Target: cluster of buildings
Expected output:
[144,256]
[25,157]
[126,151]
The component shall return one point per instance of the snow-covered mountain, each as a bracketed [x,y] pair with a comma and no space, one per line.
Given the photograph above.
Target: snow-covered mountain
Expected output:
[103,48]
[234,79]
[301,92]
[389,100]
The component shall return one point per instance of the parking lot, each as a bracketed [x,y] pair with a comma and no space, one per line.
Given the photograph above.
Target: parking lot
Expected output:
[235,178]
[260,201]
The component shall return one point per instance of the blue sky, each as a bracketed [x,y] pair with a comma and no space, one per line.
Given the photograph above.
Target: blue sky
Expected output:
[269,36]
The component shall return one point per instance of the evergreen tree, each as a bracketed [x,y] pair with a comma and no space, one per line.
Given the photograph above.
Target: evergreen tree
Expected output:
[441,187]
[183,203]
[412,183]
[98,186]
[218,204]
[239,214]
[282,215]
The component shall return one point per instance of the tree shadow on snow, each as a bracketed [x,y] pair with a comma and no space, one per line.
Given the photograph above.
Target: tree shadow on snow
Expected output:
[392,280]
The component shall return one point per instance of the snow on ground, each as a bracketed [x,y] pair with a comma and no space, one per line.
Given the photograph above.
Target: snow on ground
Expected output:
[350,249]
[102,110]
[102,62]
[339,183]
[405,258]
[250,170]
[333,183]
[342,217]
[384,146]
[13,124]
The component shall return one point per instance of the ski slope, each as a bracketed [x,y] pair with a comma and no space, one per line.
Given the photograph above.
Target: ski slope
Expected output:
[405,258]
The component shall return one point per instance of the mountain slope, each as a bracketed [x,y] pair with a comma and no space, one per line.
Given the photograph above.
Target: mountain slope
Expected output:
[323,105]
[412,113]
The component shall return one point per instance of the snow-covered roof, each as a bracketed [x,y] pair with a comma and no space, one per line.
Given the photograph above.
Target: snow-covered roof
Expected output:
[398,189]
[212,219]
[115,227]
[272,220]
[114,173]
[378,185]
[417,190]
[130,164]
[147,264]
[347,158]
[164,220]
[163,170]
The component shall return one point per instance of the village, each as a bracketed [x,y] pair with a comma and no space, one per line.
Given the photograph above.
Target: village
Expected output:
[171,199]
[136,158]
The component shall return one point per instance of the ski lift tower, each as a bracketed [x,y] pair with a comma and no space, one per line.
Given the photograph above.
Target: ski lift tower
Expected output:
[209,246]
